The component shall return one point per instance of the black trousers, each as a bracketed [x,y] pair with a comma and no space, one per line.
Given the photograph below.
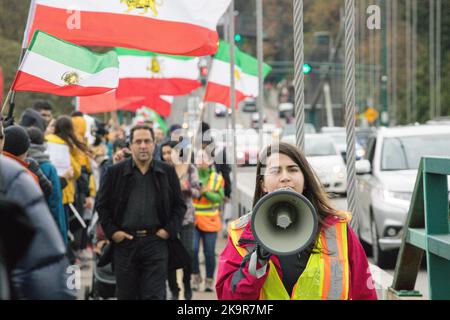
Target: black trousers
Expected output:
[140,266]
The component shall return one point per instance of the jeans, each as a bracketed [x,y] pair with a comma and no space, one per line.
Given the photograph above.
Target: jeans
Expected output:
[209,250]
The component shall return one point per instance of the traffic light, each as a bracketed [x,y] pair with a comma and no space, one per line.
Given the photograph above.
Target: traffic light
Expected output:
[203,74]
[306,68]
[237,37]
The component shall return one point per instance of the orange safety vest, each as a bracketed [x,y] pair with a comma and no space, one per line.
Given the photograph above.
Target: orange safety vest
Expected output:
[207,214]
[326,276]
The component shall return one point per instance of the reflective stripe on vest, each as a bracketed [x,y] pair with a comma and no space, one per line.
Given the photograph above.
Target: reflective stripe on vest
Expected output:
[235,230]
[326,275]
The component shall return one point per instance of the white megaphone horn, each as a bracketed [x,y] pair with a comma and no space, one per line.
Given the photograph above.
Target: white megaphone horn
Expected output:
[284,222]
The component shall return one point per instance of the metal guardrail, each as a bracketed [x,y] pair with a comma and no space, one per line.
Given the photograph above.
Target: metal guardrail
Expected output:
[427,230]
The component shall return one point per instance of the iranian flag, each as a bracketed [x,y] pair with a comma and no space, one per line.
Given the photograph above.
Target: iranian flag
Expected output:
[245,76]
[58,67]
[159,104]
[108,102]
[182,27]
[147,114]
[144,73]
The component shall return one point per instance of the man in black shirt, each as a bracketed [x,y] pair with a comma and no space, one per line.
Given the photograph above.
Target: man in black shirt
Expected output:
[140,207]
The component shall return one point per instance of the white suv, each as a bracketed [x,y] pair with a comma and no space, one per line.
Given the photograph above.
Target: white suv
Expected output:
[386,180]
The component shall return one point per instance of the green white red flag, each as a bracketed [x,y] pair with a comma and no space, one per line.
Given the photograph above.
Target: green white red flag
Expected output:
[245,75]
[182,27]
[58,67]
[144,73]
[108,102]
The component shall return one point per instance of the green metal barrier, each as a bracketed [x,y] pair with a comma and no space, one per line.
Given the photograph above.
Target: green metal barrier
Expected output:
[427,230]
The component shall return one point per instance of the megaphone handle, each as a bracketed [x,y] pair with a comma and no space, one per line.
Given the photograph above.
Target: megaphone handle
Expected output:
[258,273]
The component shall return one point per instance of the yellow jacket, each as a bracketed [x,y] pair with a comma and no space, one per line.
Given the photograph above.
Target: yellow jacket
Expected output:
[75,160]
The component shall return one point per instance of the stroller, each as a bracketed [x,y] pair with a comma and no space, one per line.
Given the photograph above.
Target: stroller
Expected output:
[103,279]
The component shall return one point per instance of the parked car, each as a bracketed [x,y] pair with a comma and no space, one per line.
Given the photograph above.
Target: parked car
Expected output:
[249,105]
[254,124]
[220,110]
[286,110]
[322,154]
[386,180]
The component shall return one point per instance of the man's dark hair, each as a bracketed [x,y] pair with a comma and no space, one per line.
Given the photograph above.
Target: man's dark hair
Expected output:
[39,105]
[141,127]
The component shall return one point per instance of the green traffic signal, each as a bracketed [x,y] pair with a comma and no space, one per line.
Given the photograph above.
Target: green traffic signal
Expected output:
[306,68]
[237,37]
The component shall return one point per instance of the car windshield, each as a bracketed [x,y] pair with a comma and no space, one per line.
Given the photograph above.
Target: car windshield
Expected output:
[404,153]
[319,147]
[339,138]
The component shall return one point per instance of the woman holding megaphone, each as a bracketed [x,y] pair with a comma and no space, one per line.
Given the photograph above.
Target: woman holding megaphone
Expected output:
[293,245]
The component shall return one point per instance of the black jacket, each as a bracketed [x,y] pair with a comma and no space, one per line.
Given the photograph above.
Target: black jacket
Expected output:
[115,189]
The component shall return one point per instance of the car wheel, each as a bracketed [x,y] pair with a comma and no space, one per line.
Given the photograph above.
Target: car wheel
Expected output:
[381,258]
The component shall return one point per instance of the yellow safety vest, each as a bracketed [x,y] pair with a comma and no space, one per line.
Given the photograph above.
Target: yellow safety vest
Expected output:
[326,276]
[207,214]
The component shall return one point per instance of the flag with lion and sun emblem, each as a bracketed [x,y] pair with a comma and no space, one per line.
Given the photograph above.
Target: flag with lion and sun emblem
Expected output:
[180,27]
[54,66]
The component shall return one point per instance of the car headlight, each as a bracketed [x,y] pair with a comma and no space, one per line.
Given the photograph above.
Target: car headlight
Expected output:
[339,171]
[360,153]
[395,195]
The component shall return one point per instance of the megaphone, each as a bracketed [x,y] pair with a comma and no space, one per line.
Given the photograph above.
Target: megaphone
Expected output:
[284,222]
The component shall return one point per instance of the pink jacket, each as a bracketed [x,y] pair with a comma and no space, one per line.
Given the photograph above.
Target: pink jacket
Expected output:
[248,287]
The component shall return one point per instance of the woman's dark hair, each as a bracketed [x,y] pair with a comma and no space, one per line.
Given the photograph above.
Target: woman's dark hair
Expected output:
[64,130]
[172,145]
[312,188]
[169,143]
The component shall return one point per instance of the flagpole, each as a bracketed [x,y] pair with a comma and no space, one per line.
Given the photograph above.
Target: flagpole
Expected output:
[12,93]
[226,37]
[259,45]
[6,101]
[233,110]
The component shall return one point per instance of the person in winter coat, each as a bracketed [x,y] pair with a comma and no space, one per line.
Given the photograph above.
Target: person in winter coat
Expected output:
[16,147]
[333,267]
[37,151]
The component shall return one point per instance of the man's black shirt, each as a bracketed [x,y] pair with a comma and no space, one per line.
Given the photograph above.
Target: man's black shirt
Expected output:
[141,210]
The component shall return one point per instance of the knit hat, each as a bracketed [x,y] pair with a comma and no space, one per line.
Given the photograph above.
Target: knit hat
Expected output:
[36,135]
[17,141]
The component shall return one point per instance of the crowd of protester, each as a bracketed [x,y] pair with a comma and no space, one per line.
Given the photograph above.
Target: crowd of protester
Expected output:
[52,168]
